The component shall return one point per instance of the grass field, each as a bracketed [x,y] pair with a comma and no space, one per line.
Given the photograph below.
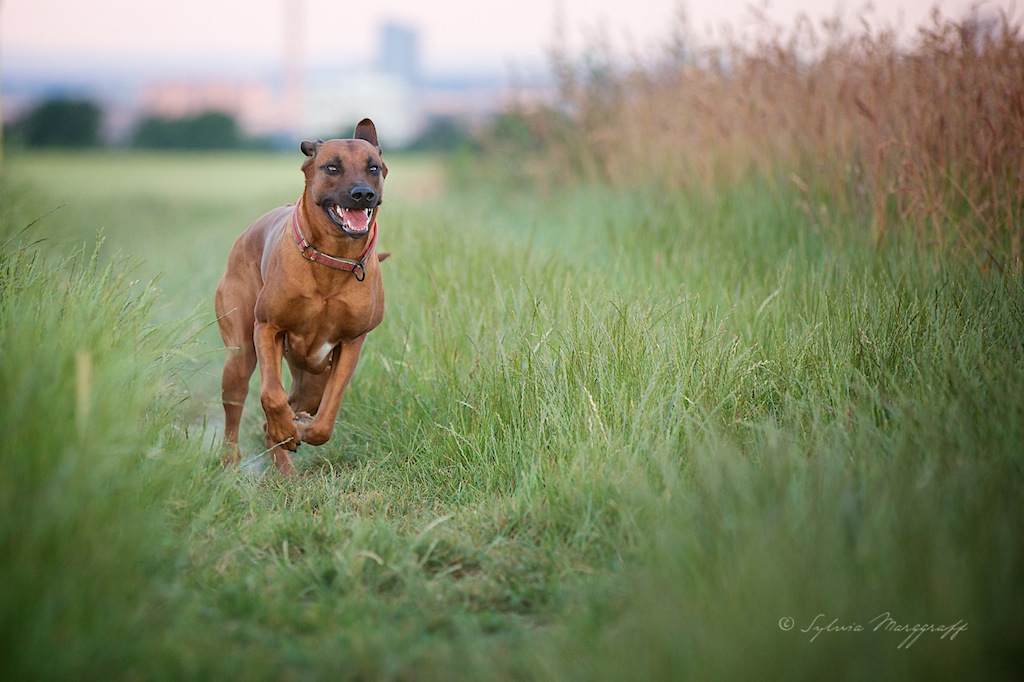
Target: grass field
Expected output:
[601,434]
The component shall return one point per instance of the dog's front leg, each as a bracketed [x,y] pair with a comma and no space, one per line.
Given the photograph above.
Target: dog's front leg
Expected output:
[282,435]
[343,365]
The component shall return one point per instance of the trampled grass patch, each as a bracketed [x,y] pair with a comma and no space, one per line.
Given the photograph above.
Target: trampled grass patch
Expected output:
[601,435]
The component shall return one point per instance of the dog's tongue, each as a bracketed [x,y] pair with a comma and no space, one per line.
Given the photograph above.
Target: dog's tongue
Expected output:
[356,219]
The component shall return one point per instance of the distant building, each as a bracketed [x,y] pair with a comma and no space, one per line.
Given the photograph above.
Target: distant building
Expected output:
[386,91]
[337,101]
[399,52]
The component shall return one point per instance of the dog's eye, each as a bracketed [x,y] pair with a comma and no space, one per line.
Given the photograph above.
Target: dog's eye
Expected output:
[374,168]
[331,168]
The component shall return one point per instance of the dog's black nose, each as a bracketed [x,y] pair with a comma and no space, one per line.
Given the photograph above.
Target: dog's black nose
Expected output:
[364,195]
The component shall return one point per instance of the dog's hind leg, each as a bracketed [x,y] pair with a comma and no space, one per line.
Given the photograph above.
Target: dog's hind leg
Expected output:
[238,368]
[235,319]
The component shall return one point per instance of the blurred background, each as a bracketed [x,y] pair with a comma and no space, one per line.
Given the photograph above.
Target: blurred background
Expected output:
[719,322]
[264,73]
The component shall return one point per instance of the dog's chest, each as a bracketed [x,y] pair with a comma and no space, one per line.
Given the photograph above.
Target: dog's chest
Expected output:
[311,355]
[310,338]
[310,349]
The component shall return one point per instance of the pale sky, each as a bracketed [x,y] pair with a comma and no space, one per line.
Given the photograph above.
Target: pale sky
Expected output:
[453,33]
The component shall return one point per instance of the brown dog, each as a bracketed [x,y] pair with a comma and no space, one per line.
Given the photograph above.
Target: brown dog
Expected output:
[303,284]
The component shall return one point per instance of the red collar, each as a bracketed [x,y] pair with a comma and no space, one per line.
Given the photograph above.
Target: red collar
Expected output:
[356,267]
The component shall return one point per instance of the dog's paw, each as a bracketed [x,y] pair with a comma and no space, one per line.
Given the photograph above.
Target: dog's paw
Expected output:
[286,437]
[313,435]
[284,465]
[231,456]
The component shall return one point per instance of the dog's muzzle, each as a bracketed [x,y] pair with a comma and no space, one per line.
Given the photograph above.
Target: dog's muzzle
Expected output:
[355,222]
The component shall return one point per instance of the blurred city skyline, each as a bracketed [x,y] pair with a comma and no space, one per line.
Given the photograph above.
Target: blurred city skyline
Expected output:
[299,64]
[456,35]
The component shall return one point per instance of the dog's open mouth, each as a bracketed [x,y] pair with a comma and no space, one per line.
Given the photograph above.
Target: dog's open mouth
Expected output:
[355,222]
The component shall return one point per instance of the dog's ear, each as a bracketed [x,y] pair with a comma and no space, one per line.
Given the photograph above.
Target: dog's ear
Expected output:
[365,130]
[310,147]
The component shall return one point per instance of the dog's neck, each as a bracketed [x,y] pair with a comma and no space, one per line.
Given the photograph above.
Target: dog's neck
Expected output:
[355,254]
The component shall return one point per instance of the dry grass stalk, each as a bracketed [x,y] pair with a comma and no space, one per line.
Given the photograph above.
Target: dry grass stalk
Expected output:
[926,137]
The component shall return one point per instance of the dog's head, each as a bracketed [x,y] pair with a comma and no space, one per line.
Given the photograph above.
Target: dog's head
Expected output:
[345,178]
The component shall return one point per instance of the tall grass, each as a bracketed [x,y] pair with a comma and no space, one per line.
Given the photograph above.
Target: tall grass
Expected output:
[89,388]
[922,137]
[620,435]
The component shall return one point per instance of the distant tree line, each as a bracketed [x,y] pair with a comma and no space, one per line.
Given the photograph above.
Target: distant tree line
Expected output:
[210,130]
[77,123]
[60,123]
[443,134]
